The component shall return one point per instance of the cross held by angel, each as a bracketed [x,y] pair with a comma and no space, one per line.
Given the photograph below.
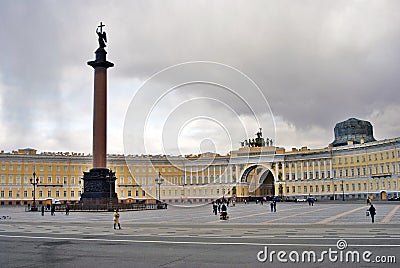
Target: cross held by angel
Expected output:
[102,35]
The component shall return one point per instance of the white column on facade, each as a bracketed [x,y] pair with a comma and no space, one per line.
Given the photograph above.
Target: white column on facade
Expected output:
[302,169]
[184,176]
[313,169]
[231,181]
[197,175]
[276,171]
[220,175]
[208,175]
[290,171]
[283,171]
[330,168]
[237,174]
[215,175]
[319,169]
[191,175]
[308,169]
[325,173]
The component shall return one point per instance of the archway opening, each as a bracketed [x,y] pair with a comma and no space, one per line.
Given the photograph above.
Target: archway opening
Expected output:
[260,181]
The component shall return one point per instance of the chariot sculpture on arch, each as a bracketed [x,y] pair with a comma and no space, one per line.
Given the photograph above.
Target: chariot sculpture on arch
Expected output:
[102,35]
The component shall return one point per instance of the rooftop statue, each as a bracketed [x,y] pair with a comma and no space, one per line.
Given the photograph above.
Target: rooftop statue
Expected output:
[102,35]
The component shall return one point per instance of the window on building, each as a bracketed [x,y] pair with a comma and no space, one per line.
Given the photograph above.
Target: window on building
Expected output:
[57,193]
[41,168]
[2,193]
[49,193]
[72,193]
[40,193]
[65,193]
[293,189]
[365,186]
[25,194]
[10,193]
[299,189]
[322,188]
[316,188]
[305,189]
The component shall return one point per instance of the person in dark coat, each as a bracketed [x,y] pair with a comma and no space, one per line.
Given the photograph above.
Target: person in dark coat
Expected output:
[215,208]
[372,212]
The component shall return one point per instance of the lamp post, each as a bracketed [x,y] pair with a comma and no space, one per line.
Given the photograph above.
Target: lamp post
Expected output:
[333,190]
[34,182]
[342,190]
[159,181]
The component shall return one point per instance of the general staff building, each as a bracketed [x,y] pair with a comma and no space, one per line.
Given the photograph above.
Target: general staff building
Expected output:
[353,166]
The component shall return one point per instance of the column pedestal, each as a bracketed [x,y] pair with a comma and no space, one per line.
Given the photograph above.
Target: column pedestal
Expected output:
[99,186]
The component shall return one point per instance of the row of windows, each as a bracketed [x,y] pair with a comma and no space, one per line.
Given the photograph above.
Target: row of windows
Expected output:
[388,168]
[49,180]
[41,194]
[360,186]
[177,192]
[346,160]
[42,168]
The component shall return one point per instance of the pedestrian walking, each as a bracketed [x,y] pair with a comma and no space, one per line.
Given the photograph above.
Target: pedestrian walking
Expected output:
[67,210]
[42,210]
[215,208]
[274,206]
[372,212]
[116,219]
[52,210]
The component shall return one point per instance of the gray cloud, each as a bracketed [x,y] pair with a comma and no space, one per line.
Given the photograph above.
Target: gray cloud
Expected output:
[317,62]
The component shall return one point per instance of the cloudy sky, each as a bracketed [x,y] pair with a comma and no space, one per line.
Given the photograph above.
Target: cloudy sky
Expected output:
[194,76]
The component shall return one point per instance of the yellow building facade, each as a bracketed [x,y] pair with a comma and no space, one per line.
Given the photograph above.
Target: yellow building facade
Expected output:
[353,171]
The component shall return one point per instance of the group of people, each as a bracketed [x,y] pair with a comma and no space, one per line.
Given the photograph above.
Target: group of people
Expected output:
[221,207]
[53,210]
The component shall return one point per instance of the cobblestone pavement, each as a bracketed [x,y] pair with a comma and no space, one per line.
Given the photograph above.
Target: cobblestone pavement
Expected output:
[287,213]
[193,237]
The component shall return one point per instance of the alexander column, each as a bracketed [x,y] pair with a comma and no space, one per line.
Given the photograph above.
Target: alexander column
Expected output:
[99,182]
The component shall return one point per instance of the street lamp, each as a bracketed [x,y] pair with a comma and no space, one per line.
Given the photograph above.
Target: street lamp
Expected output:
[342,190]
[159,181]
[333,189]
[34,182]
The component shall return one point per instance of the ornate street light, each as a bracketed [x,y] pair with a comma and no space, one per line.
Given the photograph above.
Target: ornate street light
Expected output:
[34,182]
[159,181]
